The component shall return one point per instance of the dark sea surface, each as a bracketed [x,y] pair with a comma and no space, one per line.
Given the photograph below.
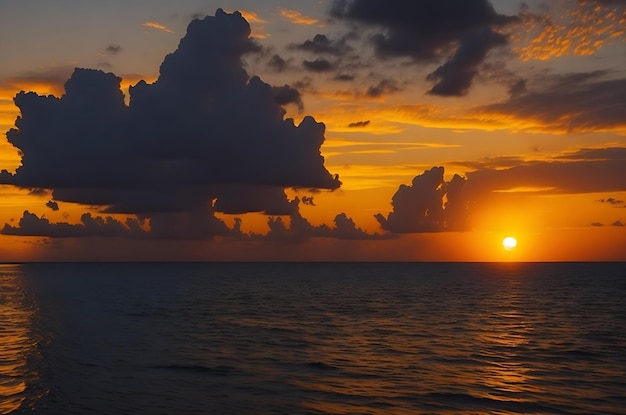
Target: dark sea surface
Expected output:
[298,338]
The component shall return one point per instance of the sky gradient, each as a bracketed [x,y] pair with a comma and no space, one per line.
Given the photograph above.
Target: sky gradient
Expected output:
[313,130]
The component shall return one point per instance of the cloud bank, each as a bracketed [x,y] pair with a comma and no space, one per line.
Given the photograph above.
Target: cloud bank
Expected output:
[204,137]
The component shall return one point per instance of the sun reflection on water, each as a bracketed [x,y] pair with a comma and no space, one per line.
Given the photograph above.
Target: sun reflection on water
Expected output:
[18,344]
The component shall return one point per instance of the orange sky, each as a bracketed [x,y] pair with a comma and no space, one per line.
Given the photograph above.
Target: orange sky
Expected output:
[525,103]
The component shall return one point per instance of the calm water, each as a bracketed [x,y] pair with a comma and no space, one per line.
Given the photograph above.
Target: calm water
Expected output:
[313,338]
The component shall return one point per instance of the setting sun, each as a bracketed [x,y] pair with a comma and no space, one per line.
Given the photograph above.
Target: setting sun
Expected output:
[509,243]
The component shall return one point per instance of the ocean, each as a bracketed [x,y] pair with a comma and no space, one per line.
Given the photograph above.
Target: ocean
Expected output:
[313,338]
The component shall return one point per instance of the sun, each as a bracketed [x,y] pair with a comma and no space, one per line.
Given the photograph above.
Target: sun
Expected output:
[509,243]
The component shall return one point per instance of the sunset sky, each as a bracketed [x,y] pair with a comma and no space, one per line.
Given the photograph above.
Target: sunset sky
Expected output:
[313,130]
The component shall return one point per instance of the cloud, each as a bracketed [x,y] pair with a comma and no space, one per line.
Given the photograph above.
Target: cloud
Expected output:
[113,49]
[296,17]
[157,26]
[321,44]
[583,171]
[52,205]
[611,201]
[385,86]
[180,144]
[460,32]
[344,77]
[318,65]
[454,78]
[617,223]
[428,204]
[561,103]
[359,124]
[277,64]
[299,228]
[573,27]
[32,225]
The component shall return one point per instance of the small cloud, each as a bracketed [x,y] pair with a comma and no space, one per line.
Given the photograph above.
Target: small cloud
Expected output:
[359,124]
[278,64]
[386,86]
[611,201]
[318,65]
[296,17]
[597,224]
[308,200]
[344,77]
[52,205]
[113,49]
[617,223]
[158,26]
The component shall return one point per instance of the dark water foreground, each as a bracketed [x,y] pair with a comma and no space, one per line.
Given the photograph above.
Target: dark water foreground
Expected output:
[313,338]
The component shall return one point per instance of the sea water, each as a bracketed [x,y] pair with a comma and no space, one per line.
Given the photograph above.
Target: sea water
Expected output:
[313,338]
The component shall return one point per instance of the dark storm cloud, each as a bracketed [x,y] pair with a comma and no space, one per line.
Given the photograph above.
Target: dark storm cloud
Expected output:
[321,44]
[52,205]
[318,65]
[460,31]
[204,137]
[204,124]
[428,204]
[577,102]
[359,124]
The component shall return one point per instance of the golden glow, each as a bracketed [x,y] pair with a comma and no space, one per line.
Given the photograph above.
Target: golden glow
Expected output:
[158,26]
[509,243]
[296,17]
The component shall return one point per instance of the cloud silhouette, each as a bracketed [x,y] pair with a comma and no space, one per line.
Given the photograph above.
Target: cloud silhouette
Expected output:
[203,126]
[432,31]
[203,138]
[428,204]
[52,205]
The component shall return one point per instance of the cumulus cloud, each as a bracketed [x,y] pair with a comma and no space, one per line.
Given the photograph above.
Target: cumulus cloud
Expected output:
[459,32]
[300,228]
[32,225]
[179,145]
[428,204]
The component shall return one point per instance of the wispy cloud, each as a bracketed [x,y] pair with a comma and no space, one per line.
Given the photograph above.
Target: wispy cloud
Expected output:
[158,26]
[296,17]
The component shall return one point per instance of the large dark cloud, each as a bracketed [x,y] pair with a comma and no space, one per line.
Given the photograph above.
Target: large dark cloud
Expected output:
[461,32]
[203,126]
[575,102]
[428,204]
